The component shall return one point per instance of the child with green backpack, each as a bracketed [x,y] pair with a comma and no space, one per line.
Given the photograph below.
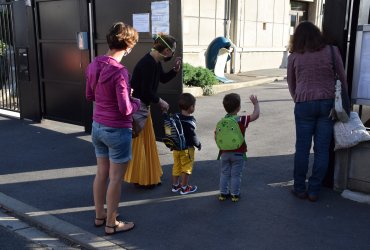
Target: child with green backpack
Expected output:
[229,136]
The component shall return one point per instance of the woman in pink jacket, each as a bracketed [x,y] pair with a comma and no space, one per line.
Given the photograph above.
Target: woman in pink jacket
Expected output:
[108,86]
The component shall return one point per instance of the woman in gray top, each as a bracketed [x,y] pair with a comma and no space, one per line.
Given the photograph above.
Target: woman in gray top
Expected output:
[311,85]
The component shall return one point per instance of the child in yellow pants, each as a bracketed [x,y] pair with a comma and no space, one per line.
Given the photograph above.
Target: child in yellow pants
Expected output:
[183,160]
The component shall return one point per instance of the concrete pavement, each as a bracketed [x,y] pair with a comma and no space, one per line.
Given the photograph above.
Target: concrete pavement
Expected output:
[47,169]
[16,234]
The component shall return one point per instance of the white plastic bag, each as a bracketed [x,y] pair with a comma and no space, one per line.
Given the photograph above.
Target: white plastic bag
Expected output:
[351,133]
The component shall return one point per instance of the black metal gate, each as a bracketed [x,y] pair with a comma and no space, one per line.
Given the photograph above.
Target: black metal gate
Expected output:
[8,80]
[61,62]
[49,44]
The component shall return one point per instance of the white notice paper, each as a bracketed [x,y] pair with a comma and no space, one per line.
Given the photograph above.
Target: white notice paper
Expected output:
[160,17]
[141,22]
[364,77]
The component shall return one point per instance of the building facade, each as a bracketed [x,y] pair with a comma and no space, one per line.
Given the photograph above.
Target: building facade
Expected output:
[259,29]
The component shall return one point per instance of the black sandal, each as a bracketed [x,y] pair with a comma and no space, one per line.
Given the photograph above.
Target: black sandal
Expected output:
[100,219]
[104,220]
[120,231]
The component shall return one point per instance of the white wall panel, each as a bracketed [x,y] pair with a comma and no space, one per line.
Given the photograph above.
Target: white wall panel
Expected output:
[250,34]
[265,11]
[190,8]
[208,8]
[278,35]
[250,10]
[206,31]
[190,30]
[280,12]
[219,28]
[264,37]
[220,11]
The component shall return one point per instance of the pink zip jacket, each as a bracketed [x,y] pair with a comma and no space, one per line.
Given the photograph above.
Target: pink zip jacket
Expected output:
[108,85]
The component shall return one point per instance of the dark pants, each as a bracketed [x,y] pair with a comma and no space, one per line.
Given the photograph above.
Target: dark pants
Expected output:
[312,122]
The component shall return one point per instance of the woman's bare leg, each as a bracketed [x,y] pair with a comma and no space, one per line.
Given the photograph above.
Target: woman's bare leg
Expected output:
[100,186]
[116,172]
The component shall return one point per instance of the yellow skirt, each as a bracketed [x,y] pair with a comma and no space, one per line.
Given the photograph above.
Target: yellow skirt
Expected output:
[144,168]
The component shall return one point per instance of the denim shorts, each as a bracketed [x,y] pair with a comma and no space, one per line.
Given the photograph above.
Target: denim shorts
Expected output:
[114,143]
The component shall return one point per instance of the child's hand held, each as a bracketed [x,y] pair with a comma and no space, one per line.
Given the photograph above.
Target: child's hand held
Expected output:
[253,99]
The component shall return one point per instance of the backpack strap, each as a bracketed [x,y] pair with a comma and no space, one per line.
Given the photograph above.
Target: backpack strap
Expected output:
[333,62]
[192,123]
[236,117]
[245,156]
[219,155]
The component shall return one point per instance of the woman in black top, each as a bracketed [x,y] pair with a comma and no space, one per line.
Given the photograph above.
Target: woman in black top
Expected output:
[144,168]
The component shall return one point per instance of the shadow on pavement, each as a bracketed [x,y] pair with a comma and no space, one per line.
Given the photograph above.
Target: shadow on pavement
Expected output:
[53,170]
[26,147]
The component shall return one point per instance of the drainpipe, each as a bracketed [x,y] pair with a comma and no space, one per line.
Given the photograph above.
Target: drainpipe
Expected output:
[227,24]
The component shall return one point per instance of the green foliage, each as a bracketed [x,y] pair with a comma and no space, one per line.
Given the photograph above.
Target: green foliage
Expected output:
[208,90]
[2,47]
[188,73]
[198,76]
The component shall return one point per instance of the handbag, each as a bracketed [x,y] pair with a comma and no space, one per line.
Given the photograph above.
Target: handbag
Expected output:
[342,106]
[351,133]
[139,119]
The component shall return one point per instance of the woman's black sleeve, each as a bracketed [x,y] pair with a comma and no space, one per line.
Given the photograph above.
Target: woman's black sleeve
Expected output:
[167,76]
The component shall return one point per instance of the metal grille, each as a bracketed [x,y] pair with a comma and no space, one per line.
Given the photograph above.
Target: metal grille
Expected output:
[9,99]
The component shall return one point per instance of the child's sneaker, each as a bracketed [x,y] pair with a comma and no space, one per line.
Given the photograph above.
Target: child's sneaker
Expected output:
[235,198]
[223,197]
[176,188]
[188,190]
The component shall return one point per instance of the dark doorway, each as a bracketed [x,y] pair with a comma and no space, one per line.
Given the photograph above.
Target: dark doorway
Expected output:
[61,62]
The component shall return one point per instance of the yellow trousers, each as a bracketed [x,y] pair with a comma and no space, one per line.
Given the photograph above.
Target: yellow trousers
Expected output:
[144,168]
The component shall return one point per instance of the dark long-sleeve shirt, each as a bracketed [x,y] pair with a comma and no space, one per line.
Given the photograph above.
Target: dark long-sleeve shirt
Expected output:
[146,77]
[189,125]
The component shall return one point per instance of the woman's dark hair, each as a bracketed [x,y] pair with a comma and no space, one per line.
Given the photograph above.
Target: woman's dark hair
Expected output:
[231,102]
[163,41]
[186,100]
[121,36]
[306,38]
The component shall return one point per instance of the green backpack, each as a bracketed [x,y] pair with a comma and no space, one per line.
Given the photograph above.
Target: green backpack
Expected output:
[228,135]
